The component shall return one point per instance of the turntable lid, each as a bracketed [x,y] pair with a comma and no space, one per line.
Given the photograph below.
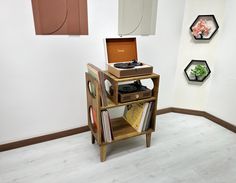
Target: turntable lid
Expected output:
[121,49]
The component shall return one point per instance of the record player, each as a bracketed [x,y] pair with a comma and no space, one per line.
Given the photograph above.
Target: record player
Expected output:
[123,60]
[132,91]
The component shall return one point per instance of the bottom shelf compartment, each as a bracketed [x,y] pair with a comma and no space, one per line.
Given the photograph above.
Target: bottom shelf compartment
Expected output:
[123,130]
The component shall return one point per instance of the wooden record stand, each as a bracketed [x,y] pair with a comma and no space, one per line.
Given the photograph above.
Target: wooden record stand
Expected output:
[121,128]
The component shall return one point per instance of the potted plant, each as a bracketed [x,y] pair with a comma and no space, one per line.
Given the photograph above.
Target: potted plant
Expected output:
[199,72]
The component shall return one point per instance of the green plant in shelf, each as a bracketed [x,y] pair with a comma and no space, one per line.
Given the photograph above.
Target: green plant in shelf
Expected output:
[199,71]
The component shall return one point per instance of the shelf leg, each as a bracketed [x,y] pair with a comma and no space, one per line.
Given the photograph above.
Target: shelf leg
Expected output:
[92,139]
[102,153]
[148,139]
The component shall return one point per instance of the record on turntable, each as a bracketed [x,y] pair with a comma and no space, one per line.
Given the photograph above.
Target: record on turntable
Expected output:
[128,65]
[127,88]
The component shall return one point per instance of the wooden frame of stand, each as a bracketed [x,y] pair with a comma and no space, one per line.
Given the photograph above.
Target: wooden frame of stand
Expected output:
[121,128]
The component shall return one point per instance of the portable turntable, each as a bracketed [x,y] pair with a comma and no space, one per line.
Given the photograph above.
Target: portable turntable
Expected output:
[132,91]
[123,60]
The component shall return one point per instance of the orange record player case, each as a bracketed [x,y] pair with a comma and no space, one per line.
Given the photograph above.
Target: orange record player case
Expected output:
[124,50]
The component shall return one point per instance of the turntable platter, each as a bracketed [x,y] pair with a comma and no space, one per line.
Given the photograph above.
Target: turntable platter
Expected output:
[127,88]
[124,65]
[128,65]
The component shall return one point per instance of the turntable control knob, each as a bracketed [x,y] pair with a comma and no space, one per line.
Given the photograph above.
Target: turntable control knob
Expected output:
[137,96]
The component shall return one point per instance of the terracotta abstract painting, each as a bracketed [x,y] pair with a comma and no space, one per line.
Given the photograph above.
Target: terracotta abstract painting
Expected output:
[60,17]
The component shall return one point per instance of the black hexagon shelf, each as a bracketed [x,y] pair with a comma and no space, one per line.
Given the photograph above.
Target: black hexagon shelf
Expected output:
[204,27]
[197,70]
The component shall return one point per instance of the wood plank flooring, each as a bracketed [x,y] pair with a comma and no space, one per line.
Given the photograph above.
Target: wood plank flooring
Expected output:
[184,149]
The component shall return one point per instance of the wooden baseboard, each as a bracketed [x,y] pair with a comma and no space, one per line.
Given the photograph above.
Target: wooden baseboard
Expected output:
[220,122]
[188,111]
[44,138]
[207,115]
[164,111]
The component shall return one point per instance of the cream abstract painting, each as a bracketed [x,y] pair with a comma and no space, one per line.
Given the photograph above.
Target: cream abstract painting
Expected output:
[137,17]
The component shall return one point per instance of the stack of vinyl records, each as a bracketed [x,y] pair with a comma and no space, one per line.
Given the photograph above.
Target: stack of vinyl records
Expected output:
[139,115]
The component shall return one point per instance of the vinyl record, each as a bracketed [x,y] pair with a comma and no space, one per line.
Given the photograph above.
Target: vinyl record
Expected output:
[124,65]
[127,88]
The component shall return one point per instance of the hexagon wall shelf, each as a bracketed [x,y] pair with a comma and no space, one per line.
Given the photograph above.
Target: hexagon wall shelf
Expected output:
[192,65]
[204,27]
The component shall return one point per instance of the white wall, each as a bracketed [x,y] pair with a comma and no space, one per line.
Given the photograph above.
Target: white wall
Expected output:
[194,96]
[42,88]
[222,93]
[217,94]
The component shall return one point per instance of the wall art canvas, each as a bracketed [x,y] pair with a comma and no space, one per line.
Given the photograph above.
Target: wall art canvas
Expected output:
[60,17]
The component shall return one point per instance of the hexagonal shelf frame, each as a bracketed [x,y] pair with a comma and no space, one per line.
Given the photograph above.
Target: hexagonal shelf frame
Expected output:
[191,66]
[198,27]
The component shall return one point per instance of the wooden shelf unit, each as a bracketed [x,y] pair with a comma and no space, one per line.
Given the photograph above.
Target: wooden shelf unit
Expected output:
[121,128]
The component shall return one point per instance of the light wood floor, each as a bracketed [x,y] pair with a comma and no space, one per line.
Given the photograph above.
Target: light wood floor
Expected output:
[185,149]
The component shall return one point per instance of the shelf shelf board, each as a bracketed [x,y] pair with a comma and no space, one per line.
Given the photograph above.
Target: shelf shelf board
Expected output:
[112,104]
[122,130]
[150,76]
